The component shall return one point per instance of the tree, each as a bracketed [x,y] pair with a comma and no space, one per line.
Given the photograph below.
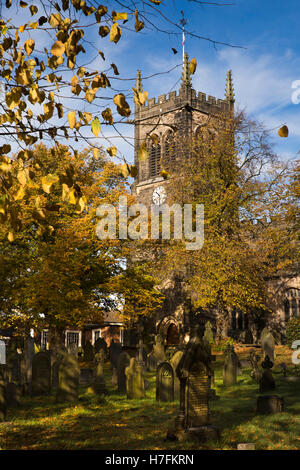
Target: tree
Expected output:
[67,276]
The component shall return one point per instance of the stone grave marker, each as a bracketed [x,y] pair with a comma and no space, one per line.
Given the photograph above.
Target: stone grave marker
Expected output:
[269,404]
[68,378]
[3,381]
[174,361]
[115,350]
[194,370]
[28,358]
[135,386]
[2,352]
[41,373]
[157,355]
[267,382]
[13,395]
[208,336]
[88,352]
[73,349]
[99,382]
[165,382]
[141,355]
[230,367]
[254,359]
[123,362]
[86,376]
[246,446]
[100,343]
[268,346]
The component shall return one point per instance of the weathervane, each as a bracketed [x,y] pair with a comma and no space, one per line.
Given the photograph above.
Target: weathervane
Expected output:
[183,22]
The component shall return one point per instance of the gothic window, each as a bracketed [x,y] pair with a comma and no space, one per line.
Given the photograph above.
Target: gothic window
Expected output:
[173,335]
[291,303]
[169,150]
[154,157]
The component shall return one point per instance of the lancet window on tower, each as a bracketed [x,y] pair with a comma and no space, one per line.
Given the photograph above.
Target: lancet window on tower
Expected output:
[154,156]
[169,150]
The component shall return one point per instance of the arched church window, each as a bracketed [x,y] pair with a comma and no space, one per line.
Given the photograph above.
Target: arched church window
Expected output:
[291,303]
[173,335]
[169,150]
[154,156]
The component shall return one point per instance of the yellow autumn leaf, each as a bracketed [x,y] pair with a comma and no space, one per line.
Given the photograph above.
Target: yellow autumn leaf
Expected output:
[112,151]
[48,181]
[29,46]
[283,131]
[58,49]
[115,33]
[192,66]
[143,152]
[72,119]
[95,126]
[107,115]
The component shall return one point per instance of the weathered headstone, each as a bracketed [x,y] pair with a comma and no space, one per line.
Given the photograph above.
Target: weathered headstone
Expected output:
[269,404]
[141,355]
[268,346]
[28,357]
[100,343]
[73,349]
[3,381]
[86,376]
[158,354]
[88,352]
[115,350]
[114,377]
[13,395]
[174,361]
[41,373]
[267,382]
[193,371]
[68,378]
[208,336]
[230,367]
[165,382]
[123,362]
[99,382]
[254,359]
[2,352]
[55,362]
[135,386]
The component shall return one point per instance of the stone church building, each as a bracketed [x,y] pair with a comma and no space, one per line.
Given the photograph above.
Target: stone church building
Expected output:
[184,112]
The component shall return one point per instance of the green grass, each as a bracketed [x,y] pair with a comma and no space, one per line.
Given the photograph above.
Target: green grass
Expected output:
[114,423]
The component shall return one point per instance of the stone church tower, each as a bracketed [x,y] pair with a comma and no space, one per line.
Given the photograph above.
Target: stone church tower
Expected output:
[182,112]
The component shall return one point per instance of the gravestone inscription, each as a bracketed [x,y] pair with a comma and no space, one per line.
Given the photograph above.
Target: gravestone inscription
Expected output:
[165,382]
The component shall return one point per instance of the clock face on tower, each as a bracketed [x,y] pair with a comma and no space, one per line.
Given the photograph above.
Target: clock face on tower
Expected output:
[159,195]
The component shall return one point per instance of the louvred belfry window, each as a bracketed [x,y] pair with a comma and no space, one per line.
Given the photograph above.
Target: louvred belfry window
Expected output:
[154,157]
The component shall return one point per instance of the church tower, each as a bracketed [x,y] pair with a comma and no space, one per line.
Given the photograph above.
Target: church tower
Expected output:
[156,123]
[181,112]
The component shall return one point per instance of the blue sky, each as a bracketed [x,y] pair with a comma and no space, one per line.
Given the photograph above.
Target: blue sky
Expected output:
[264,67]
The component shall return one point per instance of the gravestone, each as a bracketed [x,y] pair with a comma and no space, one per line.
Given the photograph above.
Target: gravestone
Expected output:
[230,367]
[28,358]
[73,349]
[141,355]
[13,395]
[100,343]
[174,361]
[165,382]
[68,378]
[86,376]
[254,359]
[88,352]
[56,360]
[269,404]
[2,352]
[123,362]
[194,370]
[267,382]
[41,373]
[268,346]
[135,386]
[157,355]
[246,446]
[3,381]
[208,336]
[99,382]
[115,350]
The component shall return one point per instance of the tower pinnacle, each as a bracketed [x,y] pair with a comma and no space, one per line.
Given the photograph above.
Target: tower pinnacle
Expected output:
[229,91]
[139,86]
[186,76]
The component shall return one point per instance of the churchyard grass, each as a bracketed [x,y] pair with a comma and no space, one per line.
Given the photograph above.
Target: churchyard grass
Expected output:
[113,422]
